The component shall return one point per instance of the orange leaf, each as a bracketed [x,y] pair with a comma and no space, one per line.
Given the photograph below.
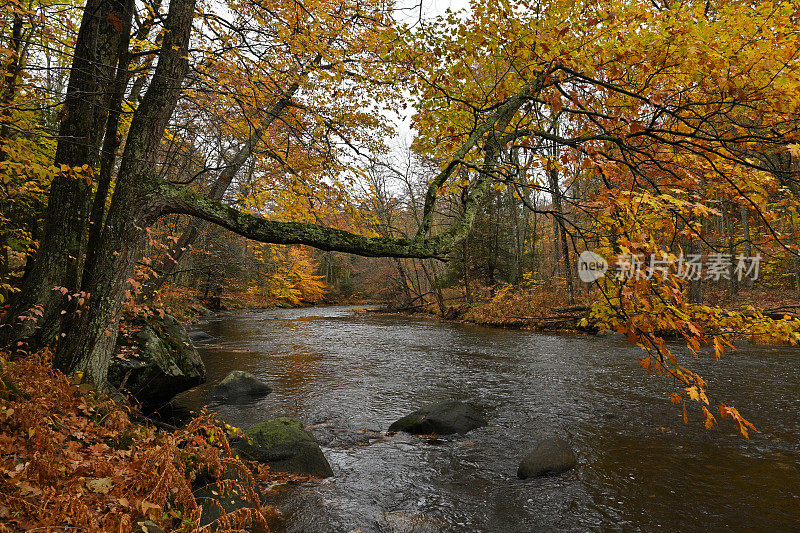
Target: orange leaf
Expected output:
[147,506]
[709,420]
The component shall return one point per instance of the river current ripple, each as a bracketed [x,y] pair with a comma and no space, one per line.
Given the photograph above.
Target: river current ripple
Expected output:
[350,374]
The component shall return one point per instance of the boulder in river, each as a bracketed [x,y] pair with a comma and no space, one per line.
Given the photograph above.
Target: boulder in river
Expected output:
[165,364]
[199,336]
[285,446]
[552,455]
[442,418]
[239,386]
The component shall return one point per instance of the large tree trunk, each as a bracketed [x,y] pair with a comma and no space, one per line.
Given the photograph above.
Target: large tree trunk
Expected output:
[8,89]
[111,143]
[9,83]
[59,258]
[90,336]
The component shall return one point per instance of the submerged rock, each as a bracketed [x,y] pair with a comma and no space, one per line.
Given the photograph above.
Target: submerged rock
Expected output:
[239,386]
[552,455]
[410,522]
[442,418]
[166,363]
[285,446]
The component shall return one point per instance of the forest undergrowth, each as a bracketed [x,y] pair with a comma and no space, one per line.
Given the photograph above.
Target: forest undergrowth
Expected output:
[72,459]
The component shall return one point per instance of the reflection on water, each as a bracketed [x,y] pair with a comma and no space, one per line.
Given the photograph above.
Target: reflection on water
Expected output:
[640,467]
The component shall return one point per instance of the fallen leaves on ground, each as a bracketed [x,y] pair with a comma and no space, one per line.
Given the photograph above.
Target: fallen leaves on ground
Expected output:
[71,459]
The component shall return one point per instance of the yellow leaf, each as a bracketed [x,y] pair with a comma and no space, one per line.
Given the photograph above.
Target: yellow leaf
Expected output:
[100,486]
[709,420]
[693,393]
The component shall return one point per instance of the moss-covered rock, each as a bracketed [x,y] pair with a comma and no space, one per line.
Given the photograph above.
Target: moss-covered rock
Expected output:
[166,364]
[285,446]
[442,418]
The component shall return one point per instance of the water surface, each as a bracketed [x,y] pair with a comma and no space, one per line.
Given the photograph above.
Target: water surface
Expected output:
[351,374]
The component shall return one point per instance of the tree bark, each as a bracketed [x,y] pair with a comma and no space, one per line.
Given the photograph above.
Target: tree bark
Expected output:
[744,214]
[59,258]
[90,336]
[733,283]
[108,156]
[555,192]
[9,90]
[10,82]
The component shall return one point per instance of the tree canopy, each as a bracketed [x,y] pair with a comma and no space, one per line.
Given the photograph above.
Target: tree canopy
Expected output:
[638,129]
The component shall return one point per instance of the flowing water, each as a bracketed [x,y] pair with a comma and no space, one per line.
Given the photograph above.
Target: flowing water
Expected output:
[350,374]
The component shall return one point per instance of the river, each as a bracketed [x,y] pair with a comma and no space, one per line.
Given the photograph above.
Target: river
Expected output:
[639,467]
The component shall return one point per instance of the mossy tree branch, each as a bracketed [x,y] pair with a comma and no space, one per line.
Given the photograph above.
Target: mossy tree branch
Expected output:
[171,198]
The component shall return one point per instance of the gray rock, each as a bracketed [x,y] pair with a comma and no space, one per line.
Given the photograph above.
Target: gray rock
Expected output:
[239,386]
[442,418]
[199,336]
[285,446]
[166,364]
[552,455]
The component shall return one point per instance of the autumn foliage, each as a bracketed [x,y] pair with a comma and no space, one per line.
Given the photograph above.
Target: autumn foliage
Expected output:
[75,460]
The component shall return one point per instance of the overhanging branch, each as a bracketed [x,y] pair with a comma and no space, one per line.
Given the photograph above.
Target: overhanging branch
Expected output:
[171,198]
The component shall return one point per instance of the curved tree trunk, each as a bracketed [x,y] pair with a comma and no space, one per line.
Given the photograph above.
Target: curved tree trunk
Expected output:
[217,192]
